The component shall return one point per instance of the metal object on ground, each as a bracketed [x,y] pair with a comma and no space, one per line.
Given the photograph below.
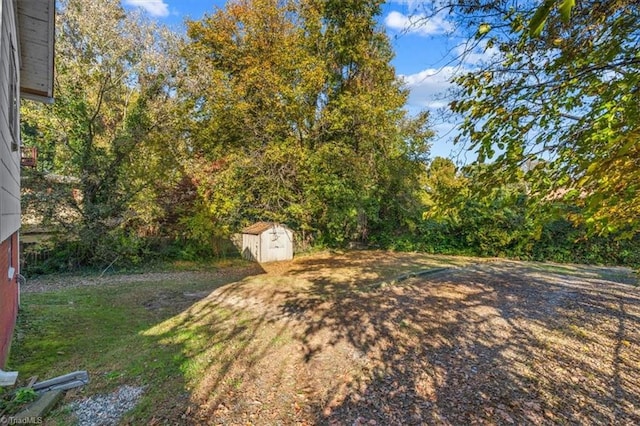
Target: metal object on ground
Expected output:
[8,378]
[68,381]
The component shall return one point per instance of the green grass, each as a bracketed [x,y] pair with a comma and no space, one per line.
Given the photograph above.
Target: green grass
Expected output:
[125,333]
[151,265]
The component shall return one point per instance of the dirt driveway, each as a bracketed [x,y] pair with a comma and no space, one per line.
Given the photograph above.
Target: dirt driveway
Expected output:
[332,339]
[485,343]
[496,343]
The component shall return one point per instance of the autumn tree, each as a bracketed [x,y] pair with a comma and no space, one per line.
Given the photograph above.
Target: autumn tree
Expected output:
[107,135]
[559,88]
[298,116]
[364,124]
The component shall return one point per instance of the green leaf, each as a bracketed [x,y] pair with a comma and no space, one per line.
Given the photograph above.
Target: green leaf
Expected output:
[539,18]
[565,9]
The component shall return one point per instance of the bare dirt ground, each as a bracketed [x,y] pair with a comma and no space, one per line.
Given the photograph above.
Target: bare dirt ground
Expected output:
[320,341]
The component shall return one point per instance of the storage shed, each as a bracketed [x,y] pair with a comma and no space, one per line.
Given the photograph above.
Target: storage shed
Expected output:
[267,242]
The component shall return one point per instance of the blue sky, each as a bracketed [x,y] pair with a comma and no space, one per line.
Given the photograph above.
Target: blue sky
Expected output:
[423,49]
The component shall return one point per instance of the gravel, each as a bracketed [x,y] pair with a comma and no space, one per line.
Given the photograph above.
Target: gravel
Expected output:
[106,410]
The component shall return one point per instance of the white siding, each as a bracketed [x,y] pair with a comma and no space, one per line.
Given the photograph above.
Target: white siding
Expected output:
[36,25]
[251,247]
[9,159]
[267,242]
[276,244]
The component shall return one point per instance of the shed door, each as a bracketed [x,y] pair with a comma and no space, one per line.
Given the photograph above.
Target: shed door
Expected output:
[278,244]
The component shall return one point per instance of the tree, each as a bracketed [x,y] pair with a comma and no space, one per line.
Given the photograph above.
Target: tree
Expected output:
[564,98]
[107,132]
[544,10]
[570,96]
[298,117]
[364,115]
[444,187]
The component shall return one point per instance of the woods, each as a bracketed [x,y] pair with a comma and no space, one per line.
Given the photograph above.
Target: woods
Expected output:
[160,146]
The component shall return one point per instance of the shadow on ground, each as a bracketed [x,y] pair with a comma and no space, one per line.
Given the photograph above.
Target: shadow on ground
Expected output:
[101,325]
[313,342]
[493,343]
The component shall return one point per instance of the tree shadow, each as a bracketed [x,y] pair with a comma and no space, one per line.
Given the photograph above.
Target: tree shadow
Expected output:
[105,329]
[367,266]
[312,342]
[226,341]
[493,343]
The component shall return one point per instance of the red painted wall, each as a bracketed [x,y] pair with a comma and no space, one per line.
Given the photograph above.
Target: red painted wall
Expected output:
[8,294]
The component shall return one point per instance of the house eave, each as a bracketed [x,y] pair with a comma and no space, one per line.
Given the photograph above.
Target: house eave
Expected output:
[38,97]
[36,23]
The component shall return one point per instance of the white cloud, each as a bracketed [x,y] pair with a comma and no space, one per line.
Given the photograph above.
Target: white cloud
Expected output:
[418,23]
[154,7]
[428,88]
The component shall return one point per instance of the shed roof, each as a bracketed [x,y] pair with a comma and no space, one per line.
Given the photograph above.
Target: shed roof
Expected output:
[36,23]
[258,228]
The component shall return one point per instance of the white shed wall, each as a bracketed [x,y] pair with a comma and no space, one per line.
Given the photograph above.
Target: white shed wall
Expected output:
[251,247]
[276,244]
[273,244]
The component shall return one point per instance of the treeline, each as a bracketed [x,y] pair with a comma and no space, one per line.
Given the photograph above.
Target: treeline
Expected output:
[464,216]
[161,146]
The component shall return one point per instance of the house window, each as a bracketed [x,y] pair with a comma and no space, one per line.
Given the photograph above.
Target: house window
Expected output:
[14,126]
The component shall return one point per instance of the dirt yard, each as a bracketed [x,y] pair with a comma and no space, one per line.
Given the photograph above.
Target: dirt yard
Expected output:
[332,339]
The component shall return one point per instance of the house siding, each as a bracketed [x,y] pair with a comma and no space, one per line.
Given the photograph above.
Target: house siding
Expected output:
[9,158]
[9,177]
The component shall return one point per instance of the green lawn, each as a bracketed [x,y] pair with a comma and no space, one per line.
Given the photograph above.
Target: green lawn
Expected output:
[106,331]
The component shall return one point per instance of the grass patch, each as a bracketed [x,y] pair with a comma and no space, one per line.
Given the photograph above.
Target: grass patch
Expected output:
[11,402]
[104,330]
